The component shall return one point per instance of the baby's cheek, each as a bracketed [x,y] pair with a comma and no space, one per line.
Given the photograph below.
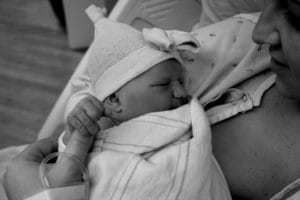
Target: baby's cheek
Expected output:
[161,102]
[168,101]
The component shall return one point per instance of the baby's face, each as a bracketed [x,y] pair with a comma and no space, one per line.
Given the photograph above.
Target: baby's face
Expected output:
[158,89]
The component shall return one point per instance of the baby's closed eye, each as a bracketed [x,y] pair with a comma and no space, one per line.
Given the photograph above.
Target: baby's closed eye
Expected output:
[160,84]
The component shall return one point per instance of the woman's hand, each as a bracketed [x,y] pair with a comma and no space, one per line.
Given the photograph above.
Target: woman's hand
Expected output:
[21,179]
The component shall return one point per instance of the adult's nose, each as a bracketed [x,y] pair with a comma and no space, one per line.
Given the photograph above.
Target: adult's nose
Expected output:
[266,30]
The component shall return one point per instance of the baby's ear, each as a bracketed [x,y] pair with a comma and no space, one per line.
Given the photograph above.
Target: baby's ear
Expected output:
[112,105]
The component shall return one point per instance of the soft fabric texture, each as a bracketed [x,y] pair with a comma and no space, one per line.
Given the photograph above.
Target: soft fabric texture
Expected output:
[253,86]
[227,56]
[162,155]
[116,53]
[222,62]
[75,192]
[217,10]
[250,86]
[179,43]
[230,41]
[119,53]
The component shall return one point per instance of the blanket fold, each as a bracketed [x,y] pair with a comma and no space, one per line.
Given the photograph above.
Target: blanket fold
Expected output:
[162,155]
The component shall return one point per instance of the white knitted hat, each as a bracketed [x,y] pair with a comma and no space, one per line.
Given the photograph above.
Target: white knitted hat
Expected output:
[118,54]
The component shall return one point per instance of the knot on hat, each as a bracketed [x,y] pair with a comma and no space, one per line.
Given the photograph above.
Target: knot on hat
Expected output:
[179,43]
[95,13]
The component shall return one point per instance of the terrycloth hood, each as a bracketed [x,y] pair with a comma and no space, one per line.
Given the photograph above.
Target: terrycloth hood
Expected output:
[119,53]
[158,156]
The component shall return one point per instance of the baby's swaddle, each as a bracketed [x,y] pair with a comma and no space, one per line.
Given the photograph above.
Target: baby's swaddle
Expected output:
[162,155]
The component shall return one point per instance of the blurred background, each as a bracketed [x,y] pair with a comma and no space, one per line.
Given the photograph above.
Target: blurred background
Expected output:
[35,64]
[41,44]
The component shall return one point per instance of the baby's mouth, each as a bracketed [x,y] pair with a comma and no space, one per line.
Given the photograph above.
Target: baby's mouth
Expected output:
[180,101]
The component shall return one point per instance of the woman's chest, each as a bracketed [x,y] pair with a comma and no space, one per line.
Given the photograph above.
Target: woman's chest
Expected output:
[259,151]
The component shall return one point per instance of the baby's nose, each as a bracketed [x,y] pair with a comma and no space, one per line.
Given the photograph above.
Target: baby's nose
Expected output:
[179,91]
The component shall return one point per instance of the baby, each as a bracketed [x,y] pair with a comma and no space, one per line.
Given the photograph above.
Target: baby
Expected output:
[127,69]
[151,149]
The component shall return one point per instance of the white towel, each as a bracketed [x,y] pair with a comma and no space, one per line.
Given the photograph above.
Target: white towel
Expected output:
[162,155]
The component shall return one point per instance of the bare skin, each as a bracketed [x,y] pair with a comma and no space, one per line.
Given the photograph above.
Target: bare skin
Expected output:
[62,173]
[259,151]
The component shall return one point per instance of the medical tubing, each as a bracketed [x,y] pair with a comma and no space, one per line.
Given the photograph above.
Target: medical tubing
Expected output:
[59,155]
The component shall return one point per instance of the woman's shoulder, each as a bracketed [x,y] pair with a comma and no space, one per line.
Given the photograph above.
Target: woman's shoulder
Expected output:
[259,151]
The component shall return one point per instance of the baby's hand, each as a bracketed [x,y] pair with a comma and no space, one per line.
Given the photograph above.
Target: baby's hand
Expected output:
[84,116]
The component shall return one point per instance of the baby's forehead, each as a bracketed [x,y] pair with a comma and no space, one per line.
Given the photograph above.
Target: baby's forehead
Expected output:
[167,68]
[162,72]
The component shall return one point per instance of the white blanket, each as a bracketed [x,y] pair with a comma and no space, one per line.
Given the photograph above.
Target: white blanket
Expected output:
[163,155]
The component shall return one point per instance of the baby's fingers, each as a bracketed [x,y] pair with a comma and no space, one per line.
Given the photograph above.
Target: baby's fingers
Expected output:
[76,124]
[96,107]
[89,124]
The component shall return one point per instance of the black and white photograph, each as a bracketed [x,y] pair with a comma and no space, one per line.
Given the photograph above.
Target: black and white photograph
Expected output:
[149,99]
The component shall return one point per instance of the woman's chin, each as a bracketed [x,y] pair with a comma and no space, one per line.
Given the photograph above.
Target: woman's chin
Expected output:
[286,91]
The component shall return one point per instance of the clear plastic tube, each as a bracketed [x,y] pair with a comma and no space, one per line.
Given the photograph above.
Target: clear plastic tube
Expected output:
[84,171]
